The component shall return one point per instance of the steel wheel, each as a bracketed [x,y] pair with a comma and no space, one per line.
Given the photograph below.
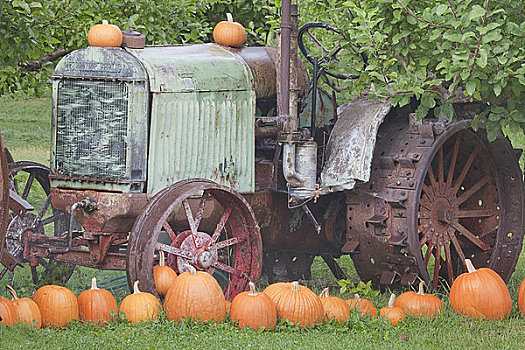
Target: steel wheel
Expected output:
[4,193]
[434,199]
[201,223]
[30,181]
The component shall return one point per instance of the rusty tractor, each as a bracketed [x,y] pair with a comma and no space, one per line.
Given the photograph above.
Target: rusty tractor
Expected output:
[234,161]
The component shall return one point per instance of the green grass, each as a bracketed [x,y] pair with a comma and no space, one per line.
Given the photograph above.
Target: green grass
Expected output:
[25,126]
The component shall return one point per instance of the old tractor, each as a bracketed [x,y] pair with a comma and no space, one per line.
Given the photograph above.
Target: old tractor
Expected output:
[234,161]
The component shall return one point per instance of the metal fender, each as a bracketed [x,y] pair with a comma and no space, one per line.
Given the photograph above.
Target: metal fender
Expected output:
[351,145]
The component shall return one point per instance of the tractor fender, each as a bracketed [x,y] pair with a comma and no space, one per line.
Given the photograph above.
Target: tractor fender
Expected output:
[351,144]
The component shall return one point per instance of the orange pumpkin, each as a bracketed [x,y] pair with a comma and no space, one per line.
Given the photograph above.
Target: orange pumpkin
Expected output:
[8,314]
[480,294]
[26,309]
[521,298]
[163,276]
[229,33]
[195,295]
[140,306]
[297,304]
[97,305]
[228,306]
[420,303]
[334,307]
[58,305]
[273,289]
[253,309]
[363,306]
[392,313]
[105,34]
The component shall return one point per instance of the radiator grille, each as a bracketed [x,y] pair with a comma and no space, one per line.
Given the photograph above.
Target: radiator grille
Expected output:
[92,119]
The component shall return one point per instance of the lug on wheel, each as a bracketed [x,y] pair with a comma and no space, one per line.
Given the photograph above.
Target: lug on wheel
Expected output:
[433,201]
[201,223]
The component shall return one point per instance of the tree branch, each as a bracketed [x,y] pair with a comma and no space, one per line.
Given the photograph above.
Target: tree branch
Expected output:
[419,19]
[50,57]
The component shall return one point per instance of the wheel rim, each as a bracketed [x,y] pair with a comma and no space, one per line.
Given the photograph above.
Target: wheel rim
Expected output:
[458,209]
[227,246]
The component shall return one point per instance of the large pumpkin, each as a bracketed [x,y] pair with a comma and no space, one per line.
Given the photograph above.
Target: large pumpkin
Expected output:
[392,313]
[140,306]
[105,34]
[297,304]
[195,295]
[163,276]
[229,33]
[480,294]
[334,307]
[253,309]
[420,303]
[97,305]
[58,305]
[363,306]
[26,309]
[521,298]
[8,314]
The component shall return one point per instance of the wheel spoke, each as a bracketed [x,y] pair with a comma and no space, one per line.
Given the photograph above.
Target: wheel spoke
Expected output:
[432,178]
[228,242]
[441,171]
[457,246]
[430,248]
[220,225]
[200,211]
[49,220]
[437,263]
[489,230]
[475,213]
[428,192]
[191,222]
[227,268]
[169,230]
[470,236]
[452,167]
[450,272]
[425,237]
[464,171]
[28,185]
[42,210]
[467,194]
[172,250]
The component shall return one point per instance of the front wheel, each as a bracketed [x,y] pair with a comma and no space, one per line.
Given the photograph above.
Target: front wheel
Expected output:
[201,223]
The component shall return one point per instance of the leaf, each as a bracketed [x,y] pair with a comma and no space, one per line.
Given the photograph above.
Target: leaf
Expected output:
[482,58]
[421,112]
[476,12]
[470,87]
[497,90]
[447,110]
[428,100]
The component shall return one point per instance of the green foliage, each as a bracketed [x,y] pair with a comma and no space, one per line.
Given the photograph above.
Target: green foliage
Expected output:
[361,288]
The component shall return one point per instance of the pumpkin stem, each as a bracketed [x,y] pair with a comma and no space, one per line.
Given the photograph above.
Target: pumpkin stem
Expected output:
[94,283]
[12,292]
[421,290]
[391,301]
[229,17]
[161,258]
[190,269]
[104,21]
[252,291]
[325,293]
[357,297]
[136,287]
[295,286]
[470,266]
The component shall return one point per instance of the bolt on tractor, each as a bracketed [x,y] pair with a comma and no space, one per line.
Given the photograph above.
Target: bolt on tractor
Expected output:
[235,161]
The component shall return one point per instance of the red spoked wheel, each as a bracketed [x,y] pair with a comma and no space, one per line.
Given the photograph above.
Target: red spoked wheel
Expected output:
[201,223]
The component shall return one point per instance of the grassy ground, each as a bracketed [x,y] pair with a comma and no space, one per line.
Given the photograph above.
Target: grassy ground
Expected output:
[25,126]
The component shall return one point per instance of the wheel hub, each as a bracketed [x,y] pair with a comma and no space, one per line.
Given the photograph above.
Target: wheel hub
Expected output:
[17,226]
[203,249]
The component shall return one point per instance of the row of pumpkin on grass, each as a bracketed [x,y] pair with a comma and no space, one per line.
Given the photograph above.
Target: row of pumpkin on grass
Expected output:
[197,295]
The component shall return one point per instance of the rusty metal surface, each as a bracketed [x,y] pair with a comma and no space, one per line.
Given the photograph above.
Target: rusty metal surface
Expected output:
[390,219]
[351,145]
[324,109]
[116,213]
[4,194]
[233,261]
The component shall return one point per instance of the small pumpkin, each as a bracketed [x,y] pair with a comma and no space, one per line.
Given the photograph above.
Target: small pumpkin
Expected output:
[334,307]
[297,304]
[420,303]
[58,305]
[195,295]
[97,305]
[140,306]
[391,313]
[229,33]
[480,293]
[163,276]
[26,309]
[363,306]
[8,314]
[521,298]
[253,309]
[105,34]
